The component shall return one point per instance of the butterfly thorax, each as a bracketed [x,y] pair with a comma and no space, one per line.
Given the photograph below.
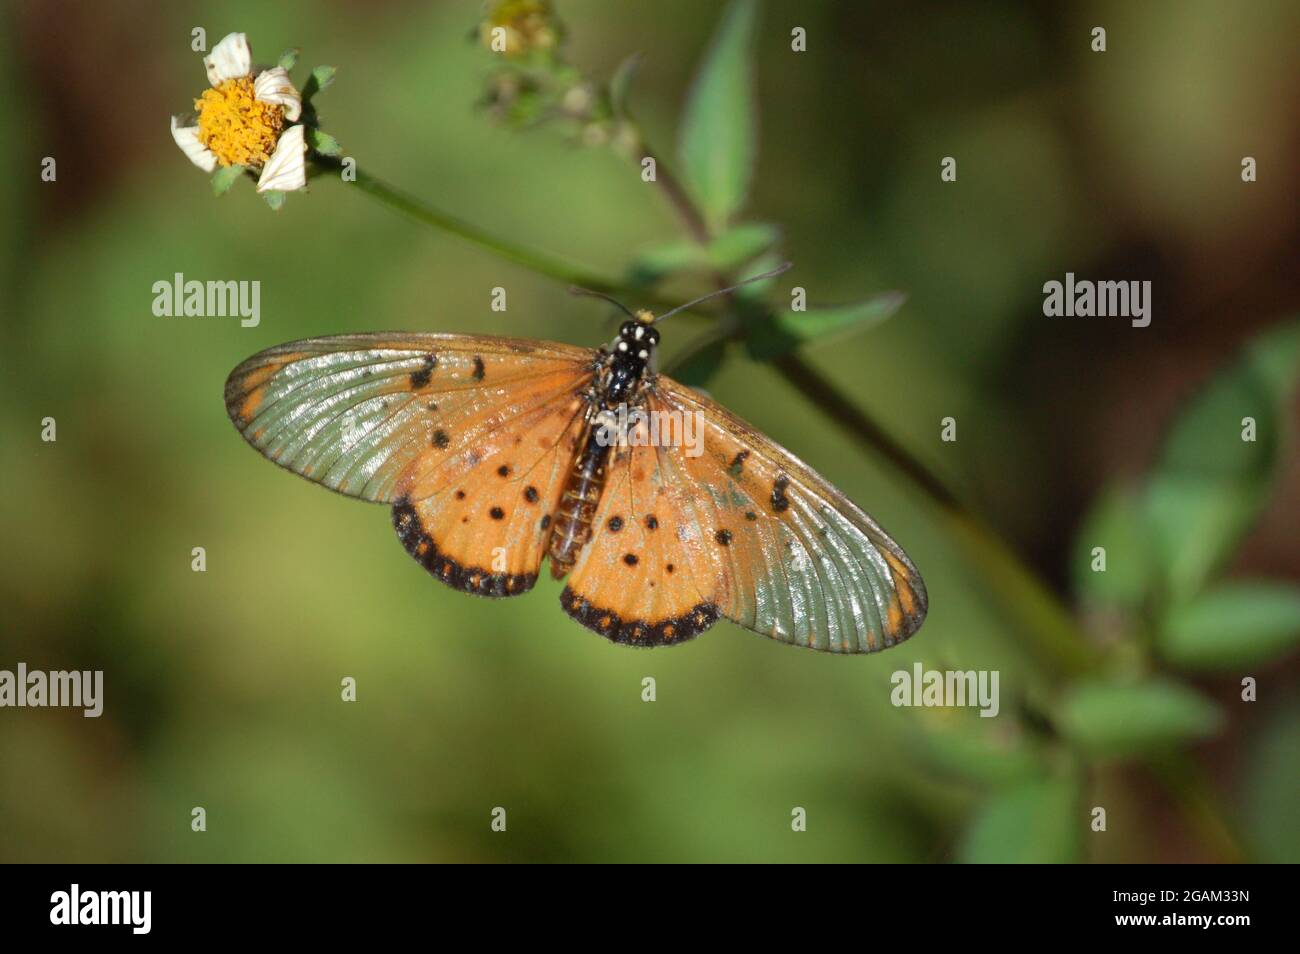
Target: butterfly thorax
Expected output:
[619,383]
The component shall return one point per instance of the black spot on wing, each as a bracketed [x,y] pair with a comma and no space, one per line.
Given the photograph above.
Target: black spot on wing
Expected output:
[780,502]
[467,579]
[637,632]
[479,369]
[420,378]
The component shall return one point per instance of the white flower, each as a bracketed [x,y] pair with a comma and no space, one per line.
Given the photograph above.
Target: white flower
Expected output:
[243,120]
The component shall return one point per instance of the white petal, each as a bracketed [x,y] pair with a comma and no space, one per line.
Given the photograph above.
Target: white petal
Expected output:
[230,59]
[286,170]
[274,86]
[187,137]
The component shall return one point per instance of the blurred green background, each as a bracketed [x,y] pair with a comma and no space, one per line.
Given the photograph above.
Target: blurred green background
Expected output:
[222,688]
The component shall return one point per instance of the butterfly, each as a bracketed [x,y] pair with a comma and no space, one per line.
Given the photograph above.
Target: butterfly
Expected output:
[496,453]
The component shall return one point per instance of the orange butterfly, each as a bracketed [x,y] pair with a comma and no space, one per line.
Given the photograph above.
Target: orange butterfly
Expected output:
[495,452]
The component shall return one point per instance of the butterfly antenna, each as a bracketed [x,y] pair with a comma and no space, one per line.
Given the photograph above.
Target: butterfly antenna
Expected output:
[579,290]
[723,291]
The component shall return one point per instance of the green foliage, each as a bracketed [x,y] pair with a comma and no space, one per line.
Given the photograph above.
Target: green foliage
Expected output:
[321,78]
[729,251]
[717,140]
[1233,625]
[288,59]
[1210,485]
[1115,719]
[323,142]
[1268,809]
[1117,524]
[700,363]
[783,331]
[1166,537]
[224,178]
[620,85]
[1037,822]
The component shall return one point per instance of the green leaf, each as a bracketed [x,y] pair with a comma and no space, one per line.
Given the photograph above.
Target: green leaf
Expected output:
[1111,719]
[323,142]
[224,178]
[274,199]
[1268,790]
[782,331]
[742,244]
[755,294]
[660,261]
[1233,625]
[289,58]
[727,252]
[321,77]
[1210,484]
[1117,522]
[698,365]
[621,83]
[718,136]
[960,744]
[1038,822]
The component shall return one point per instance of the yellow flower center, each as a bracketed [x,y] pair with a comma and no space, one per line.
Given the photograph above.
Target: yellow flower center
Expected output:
[236,126]
[525,25]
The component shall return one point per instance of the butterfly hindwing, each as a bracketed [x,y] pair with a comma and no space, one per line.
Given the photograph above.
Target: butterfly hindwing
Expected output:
[383,416]
[633,581]
[485,532]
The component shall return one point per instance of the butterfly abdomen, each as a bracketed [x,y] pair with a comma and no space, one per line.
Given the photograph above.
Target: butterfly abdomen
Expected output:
[571,528]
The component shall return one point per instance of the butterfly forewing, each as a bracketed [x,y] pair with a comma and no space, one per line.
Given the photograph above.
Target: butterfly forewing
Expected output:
[807,565]
[363,414]
[468,437]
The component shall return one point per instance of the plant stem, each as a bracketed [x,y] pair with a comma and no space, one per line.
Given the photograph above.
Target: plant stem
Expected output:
[426,214]
[676,194]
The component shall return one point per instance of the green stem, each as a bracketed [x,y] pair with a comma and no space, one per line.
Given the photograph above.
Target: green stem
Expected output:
[676,193]
[426,214]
